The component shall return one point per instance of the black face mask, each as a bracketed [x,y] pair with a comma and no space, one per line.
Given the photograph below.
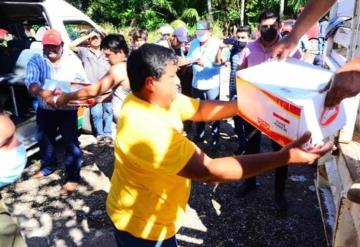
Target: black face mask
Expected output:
[268,34]
[241,44]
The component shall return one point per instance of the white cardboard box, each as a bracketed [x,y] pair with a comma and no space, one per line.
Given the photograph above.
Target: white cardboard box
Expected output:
[282,100]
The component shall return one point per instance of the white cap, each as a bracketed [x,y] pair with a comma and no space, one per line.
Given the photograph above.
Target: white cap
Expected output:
[167,29]
[181,34]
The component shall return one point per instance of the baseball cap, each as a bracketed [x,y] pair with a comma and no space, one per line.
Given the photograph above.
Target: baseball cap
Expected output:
[52,37]
[181,34]
[3,33]
[203,25]
[166,30]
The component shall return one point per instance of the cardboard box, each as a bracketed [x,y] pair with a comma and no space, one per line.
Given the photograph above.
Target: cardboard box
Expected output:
[67,87]
[282,100]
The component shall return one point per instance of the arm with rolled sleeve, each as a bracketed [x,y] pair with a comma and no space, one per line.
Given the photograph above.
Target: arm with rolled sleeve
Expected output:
[33,79]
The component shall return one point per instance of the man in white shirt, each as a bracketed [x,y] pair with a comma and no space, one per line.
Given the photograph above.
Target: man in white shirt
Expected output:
[56,64]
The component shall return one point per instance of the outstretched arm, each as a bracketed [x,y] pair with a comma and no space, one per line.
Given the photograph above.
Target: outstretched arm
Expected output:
[313,11]
[112,79]
[202,168]
[215,110]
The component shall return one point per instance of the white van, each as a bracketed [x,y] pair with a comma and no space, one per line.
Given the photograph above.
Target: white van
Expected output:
[26,21]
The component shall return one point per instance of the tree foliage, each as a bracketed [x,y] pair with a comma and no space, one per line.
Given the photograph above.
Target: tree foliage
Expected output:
[150,14]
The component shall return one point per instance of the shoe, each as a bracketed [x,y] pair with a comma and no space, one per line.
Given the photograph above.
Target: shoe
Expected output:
[281,204]
[68,188]
[353,193]
[245,189]
[108,140]
[100,139]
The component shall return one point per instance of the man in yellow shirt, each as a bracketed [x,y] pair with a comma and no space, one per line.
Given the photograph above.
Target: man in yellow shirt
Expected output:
[155,162]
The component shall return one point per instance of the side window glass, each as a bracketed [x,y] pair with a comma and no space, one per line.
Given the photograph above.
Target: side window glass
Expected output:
[76,29]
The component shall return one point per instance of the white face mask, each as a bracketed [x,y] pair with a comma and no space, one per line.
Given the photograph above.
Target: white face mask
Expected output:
[13,162]
[202,35]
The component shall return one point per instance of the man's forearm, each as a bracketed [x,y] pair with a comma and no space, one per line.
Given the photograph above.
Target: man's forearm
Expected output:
[215,110]
[84,93]
[36,90]
[240,167]
[218,59]
[313,11]
[78,41]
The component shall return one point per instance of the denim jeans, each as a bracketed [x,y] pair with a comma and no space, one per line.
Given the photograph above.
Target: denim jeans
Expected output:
[239,123]
[48,123]
[209,94]
[102,116]
[125,239]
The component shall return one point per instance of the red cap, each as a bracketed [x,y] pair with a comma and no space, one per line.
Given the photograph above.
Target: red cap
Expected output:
[3,33]
[52,37]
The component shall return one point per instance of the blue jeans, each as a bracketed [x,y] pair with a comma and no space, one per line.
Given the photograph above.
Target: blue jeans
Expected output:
[48,123]
[102,116]
[239,123]
[210,94]
[125,239]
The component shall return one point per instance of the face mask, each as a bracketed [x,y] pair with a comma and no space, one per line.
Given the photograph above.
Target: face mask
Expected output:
[13,162]
[268,34]
[242,44]
[202,35]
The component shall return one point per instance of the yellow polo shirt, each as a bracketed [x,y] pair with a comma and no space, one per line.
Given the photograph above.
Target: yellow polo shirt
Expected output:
[147,198]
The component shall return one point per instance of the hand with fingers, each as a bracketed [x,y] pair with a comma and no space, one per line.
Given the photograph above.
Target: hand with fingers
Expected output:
[343,84]
[295,154]
[285,47]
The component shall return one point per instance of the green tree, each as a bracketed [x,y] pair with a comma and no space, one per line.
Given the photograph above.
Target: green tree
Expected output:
[150,14]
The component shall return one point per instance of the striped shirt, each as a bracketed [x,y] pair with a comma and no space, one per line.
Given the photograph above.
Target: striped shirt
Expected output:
[40,68]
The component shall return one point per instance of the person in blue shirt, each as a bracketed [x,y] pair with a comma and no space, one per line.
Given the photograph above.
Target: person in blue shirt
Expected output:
[206,51]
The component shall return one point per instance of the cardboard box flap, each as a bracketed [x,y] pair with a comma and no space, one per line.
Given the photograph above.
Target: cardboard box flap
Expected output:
[292,73]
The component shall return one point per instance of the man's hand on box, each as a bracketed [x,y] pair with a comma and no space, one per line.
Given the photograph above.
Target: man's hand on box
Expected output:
[295,154]
[344,84]
[284,48]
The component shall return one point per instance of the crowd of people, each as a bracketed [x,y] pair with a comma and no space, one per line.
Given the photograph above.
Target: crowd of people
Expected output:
[155,161]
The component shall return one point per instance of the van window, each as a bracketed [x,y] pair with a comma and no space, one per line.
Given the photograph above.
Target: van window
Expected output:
[75,29]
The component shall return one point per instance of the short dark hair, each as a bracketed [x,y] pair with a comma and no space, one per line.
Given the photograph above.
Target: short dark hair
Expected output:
[140,33]
[245,28]
[148,60]
[268,14]
[115,43]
